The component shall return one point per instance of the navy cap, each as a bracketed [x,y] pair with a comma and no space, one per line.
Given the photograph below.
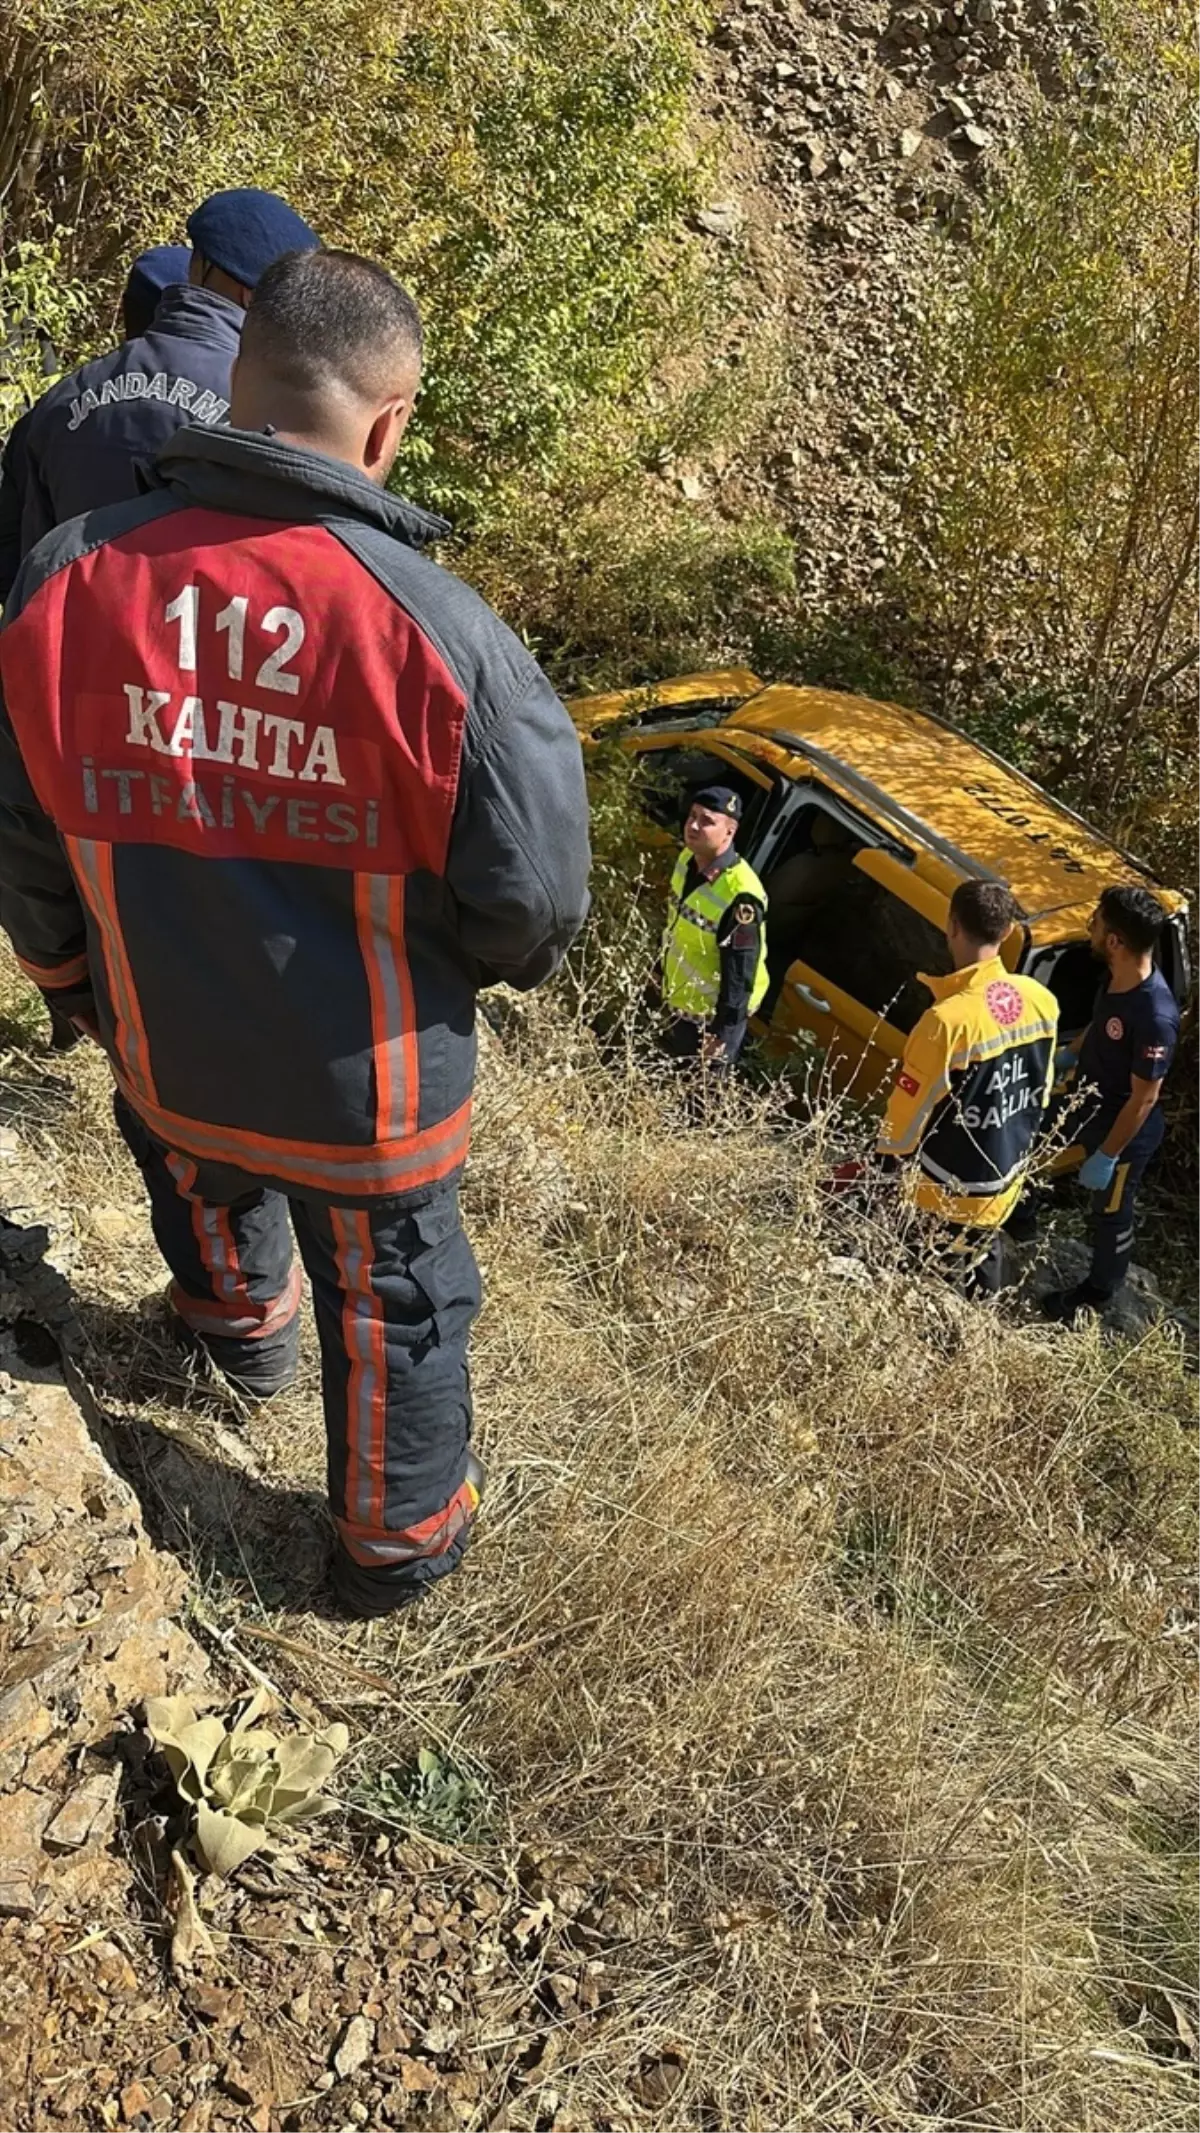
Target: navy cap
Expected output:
[155,270]
[244,231]
[721,799]
[150,274]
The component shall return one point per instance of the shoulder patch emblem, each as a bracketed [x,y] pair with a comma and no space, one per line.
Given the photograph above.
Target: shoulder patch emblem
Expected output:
[1004,1002]
[908,1082]
[745,914]
[1114,1028]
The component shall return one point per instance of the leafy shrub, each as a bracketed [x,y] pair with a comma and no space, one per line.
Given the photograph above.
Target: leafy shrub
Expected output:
[1058,495]
[521,163]
[436,1795]
[244,1787]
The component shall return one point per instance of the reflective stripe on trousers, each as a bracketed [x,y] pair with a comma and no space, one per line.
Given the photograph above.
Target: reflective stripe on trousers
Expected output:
[1113,1223]
[395,1291]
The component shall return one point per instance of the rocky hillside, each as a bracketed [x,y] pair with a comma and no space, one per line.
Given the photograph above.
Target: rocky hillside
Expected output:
[861,139]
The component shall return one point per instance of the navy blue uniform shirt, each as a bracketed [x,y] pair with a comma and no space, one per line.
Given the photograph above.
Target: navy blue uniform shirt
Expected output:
[79,446]
[1131,1033]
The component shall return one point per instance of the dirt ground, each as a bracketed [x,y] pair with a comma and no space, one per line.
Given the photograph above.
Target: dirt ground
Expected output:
[368,1976]
[805,1740]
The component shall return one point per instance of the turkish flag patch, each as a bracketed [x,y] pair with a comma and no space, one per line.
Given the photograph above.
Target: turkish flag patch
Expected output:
[910,1086]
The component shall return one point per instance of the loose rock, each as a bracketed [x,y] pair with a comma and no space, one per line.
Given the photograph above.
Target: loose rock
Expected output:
[355,2047]
[722,219]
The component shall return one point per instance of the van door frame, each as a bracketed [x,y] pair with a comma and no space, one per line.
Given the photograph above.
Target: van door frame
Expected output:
[835,1017]
[806,791]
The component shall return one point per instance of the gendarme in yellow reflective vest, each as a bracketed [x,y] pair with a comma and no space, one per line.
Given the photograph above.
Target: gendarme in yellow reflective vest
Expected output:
[971,1090]
[691,958]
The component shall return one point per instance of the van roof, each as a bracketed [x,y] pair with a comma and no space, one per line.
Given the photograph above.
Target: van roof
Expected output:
[917,774]
[911,767]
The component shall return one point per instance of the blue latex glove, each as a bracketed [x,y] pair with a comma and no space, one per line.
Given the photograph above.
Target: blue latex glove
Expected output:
[1098,1172]
[1065,1060]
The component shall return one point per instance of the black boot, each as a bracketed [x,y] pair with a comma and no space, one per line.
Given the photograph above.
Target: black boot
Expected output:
[64,1036]
[366,1594]
[1066,1306]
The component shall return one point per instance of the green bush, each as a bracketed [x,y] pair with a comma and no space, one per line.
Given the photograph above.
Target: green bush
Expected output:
[546,197]
[1056,499]
[522,164]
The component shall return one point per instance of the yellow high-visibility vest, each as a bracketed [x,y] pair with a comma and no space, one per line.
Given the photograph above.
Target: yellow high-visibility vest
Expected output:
[690,955]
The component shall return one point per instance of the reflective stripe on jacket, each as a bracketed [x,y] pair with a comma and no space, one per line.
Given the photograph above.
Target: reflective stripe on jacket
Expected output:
[971,1090]
[690,953]
[278,795]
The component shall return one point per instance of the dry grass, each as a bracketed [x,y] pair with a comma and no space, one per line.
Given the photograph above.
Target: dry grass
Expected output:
[830,1628]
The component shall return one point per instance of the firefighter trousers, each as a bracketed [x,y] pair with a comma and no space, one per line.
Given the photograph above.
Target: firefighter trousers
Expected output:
[395,1289]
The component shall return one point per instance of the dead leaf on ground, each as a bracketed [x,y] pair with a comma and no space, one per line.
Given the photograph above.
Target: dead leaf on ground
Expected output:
[190,1936]
[1183,2026]
[532,1920]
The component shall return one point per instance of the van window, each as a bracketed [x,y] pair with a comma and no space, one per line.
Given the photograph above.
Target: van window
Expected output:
[872,945]
[1074,977]
[670,777]
[823,911]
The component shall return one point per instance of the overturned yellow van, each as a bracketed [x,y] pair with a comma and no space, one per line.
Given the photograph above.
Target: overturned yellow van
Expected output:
[860,818]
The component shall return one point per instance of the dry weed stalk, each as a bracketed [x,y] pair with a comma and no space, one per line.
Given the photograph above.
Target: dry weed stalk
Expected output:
[831,1627]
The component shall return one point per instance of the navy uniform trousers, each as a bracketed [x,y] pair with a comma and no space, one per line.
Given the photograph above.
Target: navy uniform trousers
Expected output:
[1111,1227]
[1111,1212]
[395,1290]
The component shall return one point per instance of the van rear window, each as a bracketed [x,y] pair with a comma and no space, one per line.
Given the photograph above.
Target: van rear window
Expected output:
[1075,976]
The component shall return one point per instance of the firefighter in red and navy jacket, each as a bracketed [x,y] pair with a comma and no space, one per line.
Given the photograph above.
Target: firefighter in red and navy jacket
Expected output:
[277,797]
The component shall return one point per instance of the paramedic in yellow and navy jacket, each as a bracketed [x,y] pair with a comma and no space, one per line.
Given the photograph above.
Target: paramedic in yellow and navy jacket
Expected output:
[972,1088]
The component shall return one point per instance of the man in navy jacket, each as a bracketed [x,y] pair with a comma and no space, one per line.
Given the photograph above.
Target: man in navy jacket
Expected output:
[152,272]
[81,443]
[273,807]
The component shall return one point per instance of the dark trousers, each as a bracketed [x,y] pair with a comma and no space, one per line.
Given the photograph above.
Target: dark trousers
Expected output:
[1112,1211]
[1112,1222]
[972,1259]
[395,1289]
[681,1041]
[984,1275]
[702,1081]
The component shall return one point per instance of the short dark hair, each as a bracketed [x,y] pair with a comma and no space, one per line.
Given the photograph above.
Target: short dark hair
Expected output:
[330,318]
[985,910]
[1136,917]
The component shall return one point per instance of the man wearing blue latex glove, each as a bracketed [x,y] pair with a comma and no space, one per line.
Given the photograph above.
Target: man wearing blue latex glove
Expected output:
[1123,1061]
[1097,1171]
